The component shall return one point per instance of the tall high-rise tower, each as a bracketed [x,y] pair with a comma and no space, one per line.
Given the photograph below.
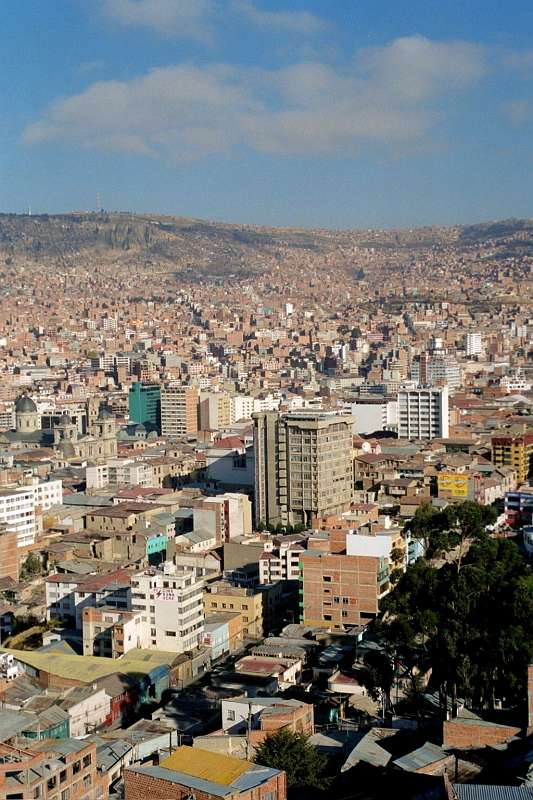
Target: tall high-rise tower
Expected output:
[303,465]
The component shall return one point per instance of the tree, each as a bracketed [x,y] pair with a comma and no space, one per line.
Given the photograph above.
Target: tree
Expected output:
[31,567]
[471,620]
[292,753]
[377,676]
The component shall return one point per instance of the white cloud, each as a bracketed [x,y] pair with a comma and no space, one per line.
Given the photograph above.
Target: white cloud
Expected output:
[187,19]
[182,112]
[302,22]
[195,19]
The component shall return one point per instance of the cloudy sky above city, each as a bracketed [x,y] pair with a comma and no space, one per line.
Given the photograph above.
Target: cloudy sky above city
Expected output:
[340,113]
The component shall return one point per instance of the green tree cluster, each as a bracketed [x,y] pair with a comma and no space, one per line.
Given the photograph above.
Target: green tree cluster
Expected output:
[472,621]
[291,752]
[450,528]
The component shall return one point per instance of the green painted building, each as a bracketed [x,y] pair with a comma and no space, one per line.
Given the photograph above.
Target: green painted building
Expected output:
[144,404]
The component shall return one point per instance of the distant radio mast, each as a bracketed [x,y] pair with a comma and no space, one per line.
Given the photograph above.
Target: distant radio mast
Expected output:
[98,203]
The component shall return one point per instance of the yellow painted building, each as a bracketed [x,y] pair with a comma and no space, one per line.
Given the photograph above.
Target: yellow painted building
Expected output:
[454,484]
[515,452]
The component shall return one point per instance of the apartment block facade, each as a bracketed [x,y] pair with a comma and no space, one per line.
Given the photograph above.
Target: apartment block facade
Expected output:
[302,465]
[515,452]
[21,508]
[66,770]
[179,411]
[170,602]
[423,413]
[339,591]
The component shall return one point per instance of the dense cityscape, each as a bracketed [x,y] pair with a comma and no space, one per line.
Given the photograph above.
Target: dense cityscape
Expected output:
[266,511]
[266,400]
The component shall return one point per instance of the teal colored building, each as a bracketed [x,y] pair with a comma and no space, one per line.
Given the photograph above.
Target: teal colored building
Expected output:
[156,548]
[144,404]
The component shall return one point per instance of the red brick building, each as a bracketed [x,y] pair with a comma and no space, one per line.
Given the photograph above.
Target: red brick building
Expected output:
[206,776]
[339,590]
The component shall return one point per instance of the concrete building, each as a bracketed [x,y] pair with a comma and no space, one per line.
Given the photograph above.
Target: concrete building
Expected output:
[110,633]
[179,411]
[437,368]
[88,708]
[303,466]
[169,601]
[21,508]
[215,411]
[68,595]
[280,558]
[423,413]
[58,770]
[473,344]
[374,414]
[515,452]
[259,606]
[257,717]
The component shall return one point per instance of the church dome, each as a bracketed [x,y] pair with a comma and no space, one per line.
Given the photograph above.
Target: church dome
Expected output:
[25,405]
[105,413]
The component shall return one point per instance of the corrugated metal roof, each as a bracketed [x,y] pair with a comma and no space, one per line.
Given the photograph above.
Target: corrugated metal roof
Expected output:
[470,791]
[87,669]
[206,764]
[429,753]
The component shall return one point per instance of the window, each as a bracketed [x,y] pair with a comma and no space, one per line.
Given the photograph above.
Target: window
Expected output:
[52,783]
[327,617]
[87,780]
[87,760]
[170,633]
[326,578]
[62,776]
[76,767]
[65,794]
[231,715]
[344,613]
[345,600]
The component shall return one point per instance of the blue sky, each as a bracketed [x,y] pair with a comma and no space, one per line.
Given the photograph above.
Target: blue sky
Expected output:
[333,113]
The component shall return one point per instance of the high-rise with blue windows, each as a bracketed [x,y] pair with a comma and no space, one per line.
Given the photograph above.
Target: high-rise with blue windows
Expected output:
[144,404]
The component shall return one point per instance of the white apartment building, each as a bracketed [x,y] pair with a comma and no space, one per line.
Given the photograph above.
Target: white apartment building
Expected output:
[242,407]
[474,344]
[515,382]
[374,414]
[171,605]
[423,413]
[281,562]
[97,476]
[127,471]
[21,508]
[68,595]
